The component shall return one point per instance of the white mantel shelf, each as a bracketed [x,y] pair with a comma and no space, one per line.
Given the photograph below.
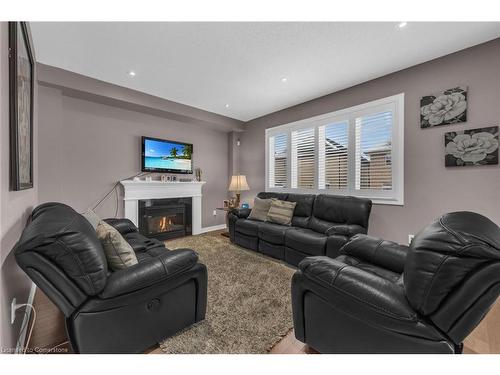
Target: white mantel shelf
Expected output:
[140,190]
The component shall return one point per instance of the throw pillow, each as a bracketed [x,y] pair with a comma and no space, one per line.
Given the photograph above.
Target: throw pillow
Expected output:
[118,251]
[92,218]
[260,209]
[281,212]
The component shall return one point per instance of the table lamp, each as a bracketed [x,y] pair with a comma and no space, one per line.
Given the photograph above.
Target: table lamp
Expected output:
[238,184]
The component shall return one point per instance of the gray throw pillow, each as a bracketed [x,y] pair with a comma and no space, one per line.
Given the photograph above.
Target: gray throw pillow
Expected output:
[260,209]
[92,218]
[119,253]
[281,212]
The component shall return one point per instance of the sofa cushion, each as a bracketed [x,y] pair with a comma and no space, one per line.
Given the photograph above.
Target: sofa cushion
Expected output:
[151,253]
[336,209]
[345,230]
[281,212]
[272,250]
[303,209]
[248,227]
[273,233]
[260,209]
[306,241]
[269,194]
[139,242]
[248,242]
[369,267]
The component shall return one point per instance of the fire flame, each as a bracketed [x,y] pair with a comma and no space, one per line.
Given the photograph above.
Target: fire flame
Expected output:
[164,224]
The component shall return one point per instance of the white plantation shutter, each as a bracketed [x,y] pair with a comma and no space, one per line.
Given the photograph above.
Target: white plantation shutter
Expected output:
[303,159]
[278,161]
[374,151]
[355,151]
[333,142]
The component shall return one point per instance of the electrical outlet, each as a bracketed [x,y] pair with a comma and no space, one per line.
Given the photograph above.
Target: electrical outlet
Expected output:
[410,238]
[13,308]
[215,213]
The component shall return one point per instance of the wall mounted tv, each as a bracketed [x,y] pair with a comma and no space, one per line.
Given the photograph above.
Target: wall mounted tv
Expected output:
[160,155]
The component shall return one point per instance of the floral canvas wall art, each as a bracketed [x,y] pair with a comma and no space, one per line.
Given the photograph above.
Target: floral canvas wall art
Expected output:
[443,108]
[471,147]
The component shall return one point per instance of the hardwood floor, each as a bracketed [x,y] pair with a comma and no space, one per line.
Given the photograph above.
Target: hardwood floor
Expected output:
[290,345]
[49,329]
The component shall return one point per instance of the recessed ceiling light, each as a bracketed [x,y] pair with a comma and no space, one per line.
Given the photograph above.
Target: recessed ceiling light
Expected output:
[284,79]
[402,24]
[131,73]
[227,106]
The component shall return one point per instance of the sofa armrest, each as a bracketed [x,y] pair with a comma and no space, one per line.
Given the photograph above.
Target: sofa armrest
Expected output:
[241,213]
[346,230]
[233,216]
[365,291]
[149,272]
[386,254]
[123,226]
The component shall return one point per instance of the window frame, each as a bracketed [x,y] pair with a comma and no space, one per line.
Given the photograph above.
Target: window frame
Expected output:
[393,103]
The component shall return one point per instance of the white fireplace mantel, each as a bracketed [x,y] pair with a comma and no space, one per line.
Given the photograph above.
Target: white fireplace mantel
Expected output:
[140,190]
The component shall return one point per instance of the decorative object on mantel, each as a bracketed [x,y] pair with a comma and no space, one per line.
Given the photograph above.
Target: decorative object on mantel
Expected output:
[444,108]
[238,184]
[198,173]
[21,88]
[471,147]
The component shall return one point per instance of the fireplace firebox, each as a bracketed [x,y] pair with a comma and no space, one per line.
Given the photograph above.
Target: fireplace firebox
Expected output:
[165,218]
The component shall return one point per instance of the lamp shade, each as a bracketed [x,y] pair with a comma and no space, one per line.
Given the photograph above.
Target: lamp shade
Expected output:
[238,183]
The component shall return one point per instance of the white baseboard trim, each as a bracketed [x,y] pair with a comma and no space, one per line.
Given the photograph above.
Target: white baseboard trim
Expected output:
[212,228]
[26,319]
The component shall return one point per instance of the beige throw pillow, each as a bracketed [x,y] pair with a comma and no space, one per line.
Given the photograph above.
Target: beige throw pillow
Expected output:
[260,209]
[118,251]
[281,212]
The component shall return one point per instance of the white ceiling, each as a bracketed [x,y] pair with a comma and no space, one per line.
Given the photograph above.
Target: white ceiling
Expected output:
[209,65]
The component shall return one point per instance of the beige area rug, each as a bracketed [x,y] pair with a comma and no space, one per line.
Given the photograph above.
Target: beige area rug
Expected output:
[249,301]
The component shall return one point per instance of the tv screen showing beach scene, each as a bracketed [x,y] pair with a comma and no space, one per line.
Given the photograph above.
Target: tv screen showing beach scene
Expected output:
[166,156]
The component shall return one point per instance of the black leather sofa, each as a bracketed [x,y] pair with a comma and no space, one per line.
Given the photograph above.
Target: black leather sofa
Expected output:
[126,311]
[380,297]
[321,225]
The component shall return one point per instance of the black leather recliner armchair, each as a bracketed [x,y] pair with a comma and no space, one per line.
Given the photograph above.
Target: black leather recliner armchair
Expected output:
[380,297]
[126,311]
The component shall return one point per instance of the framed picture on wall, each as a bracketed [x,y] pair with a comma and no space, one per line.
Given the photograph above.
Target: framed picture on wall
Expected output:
[21,87]
[471,147]
[444,107]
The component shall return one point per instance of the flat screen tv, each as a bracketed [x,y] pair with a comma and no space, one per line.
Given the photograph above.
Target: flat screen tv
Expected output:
[160,155]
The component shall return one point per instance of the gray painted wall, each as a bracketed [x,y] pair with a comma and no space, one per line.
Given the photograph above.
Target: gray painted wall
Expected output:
[15,206]
[430,188]
[85,147]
